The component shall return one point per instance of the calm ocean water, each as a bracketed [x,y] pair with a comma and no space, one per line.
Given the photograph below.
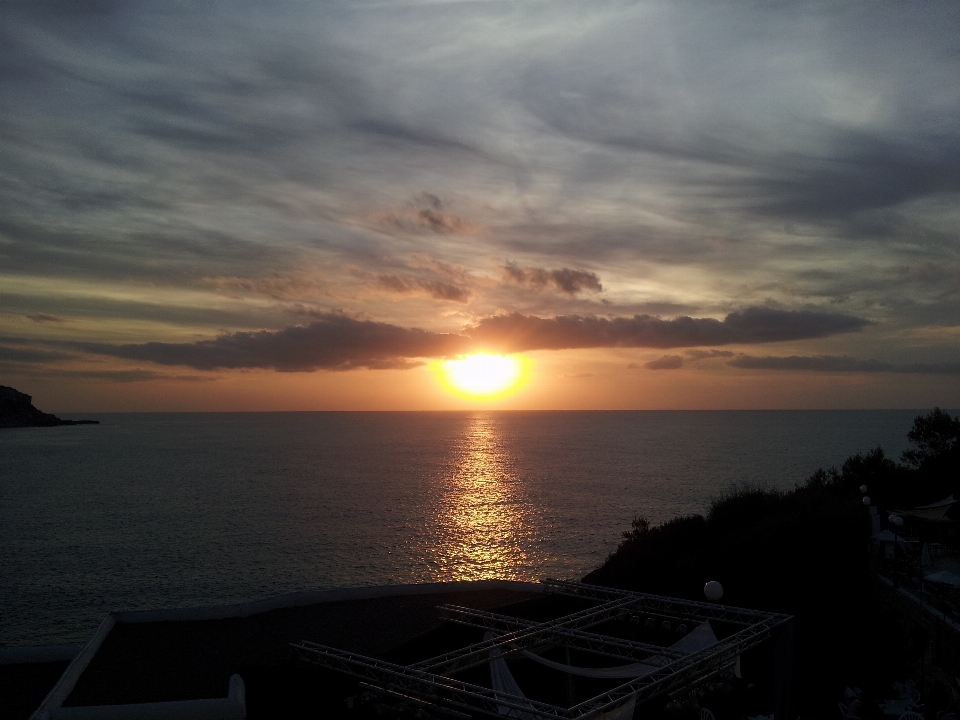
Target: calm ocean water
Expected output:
[172,510]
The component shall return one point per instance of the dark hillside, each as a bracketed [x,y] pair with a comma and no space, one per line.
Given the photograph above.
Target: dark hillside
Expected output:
[803,552]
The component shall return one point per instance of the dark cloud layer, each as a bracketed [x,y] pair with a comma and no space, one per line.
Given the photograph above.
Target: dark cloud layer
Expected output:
[32,355]
[134,376]
[338,342]
[335,342]
[840,363]
[705,354]
[666,362]
[517,333]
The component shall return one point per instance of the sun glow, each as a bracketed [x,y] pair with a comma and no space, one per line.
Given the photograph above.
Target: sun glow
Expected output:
[483,375]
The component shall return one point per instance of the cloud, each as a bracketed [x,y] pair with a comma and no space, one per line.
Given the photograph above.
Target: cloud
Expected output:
[333,342]
[136,375]
[517,333]
[434,288]
[174,254]
[31,355]
[163,166]
[117,376]
[44,318]
[279,286]
[427,214]
[455,273]
[575,376]
[105,306]
[840,363]
[565,280]
[667,362]
[423,275]
[866,173]
[704,354]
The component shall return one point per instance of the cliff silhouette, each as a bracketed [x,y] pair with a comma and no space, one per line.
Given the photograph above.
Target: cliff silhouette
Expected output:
[17,410]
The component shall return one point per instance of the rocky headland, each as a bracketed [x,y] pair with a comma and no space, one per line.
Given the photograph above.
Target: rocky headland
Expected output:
[17,410]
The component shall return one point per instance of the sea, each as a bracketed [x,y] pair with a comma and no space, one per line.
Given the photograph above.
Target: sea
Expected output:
[178,510]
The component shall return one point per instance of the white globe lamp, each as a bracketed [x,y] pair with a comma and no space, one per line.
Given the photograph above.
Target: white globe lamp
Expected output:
[713,590]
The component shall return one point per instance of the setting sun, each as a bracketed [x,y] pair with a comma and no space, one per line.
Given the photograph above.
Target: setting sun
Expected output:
[483,375]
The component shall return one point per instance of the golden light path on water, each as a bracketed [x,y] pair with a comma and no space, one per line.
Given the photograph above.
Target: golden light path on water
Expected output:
[485,525]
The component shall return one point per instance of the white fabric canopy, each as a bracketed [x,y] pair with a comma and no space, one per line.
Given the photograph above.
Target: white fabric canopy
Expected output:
[503,682]
[622,671]
[701,637]
[947,501]
[944,577]
[936,512]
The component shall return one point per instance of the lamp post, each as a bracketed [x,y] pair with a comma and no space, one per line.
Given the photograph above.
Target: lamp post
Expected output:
[866,504]
[897,522]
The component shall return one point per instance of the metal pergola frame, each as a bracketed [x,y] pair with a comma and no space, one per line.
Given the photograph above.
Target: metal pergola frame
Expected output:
[429,681]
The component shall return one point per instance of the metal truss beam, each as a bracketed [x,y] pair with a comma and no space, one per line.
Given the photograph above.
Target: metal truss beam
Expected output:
[523,638]
[429,682]
[681,673]
[580,639]
[660,604]
[430,687]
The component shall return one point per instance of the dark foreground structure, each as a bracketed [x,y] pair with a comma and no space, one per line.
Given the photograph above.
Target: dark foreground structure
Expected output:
[439,683]
[408,651]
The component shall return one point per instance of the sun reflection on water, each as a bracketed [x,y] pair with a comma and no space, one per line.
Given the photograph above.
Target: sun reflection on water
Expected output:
[484,523]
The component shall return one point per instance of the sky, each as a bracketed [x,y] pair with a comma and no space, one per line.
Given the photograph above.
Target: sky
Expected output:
[312,205]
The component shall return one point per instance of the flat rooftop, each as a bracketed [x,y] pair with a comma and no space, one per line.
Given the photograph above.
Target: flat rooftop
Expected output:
[146,659]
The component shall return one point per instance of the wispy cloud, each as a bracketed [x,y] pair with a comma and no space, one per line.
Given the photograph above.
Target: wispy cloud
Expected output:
[565,280]
[135,376]
[705,354]
[666,362]
[427,214]
[45,318]
[840,364]
[32,354]
[434,288]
